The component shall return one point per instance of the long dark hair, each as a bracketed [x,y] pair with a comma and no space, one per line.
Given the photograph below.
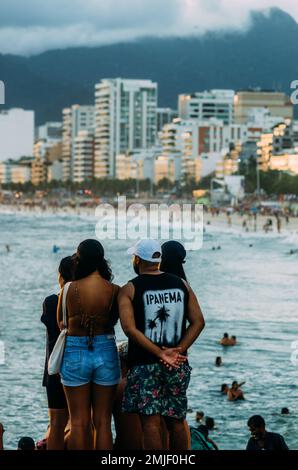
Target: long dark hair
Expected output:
[173,258]
[89,258]
[66,268]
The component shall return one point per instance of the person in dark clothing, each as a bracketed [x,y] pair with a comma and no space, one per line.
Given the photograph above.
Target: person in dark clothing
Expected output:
[261,439]
[173,258]
[161,316]
[205,431]
[209,423]
[57,405]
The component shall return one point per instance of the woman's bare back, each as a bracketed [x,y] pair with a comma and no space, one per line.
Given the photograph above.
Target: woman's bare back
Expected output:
[90,298]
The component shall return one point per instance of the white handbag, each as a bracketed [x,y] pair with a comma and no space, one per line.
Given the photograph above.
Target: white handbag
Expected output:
[56,357]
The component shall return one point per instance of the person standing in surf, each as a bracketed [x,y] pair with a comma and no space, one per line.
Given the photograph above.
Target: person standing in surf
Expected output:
[155,309]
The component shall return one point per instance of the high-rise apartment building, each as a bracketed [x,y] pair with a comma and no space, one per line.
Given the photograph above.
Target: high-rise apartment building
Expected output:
[126,119]
[83,157]
[75,119]
[204,105]
[16,133]
[196,146]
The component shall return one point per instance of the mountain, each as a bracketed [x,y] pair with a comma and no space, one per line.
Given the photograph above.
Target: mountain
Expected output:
[261,56]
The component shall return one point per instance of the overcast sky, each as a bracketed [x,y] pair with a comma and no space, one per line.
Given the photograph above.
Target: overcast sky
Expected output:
[32,26]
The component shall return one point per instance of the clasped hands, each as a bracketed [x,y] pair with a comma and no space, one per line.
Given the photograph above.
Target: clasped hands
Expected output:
[172,357]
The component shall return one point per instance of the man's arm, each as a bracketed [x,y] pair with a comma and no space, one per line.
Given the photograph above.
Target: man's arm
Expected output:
[196,321]
[126,294]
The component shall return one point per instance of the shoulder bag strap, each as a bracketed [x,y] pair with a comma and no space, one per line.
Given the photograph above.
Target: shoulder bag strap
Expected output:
[64,309]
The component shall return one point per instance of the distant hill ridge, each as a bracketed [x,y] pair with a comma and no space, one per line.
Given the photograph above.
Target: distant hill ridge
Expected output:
[263,56]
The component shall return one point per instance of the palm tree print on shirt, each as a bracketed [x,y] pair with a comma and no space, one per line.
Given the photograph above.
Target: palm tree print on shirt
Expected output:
[152,325]
[162,315]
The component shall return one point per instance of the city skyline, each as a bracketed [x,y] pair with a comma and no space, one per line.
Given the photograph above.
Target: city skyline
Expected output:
[118,138]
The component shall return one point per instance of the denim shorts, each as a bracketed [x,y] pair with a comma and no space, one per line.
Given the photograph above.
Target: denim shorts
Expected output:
[81,365]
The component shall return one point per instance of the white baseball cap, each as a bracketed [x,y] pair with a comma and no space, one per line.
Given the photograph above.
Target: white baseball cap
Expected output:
[145,249]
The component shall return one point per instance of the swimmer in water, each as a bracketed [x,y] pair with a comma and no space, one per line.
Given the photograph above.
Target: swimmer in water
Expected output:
[218,361]
[205,432]
[7,248]
[225,341]
[233,341]
[210,423]
[200,417]
[224,389]
[235,393]
[56,249]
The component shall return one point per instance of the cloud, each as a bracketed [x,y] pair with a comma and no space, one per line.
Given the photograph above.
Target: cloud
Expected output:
[32,26]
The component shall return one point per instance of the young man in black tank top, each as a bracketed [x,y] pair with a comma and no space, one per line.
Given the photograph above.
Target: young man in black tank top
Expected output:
[155,308]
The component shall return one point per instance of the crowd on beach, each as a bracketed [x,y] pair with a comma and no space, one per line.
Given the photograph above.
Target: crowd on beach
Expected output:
[252,219]
[141,384]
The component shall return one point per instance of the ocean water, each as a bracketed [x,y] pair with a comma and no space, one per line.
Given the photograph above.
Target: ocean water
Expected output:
[249,291]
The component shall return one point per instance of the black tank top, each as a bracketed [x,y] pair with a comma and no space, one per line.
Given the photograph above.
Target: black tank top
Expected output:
[160,311]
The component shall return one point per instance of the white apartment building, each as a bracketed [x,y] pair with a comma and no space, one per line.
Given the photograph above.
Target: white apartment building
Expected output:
[50,132]
[20,174]
[164,168]
[196,146]
[126,120]
[204,105]
[16,172]
[83,157]
[137,165]
[47,164]
[77,118]
[16,133]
